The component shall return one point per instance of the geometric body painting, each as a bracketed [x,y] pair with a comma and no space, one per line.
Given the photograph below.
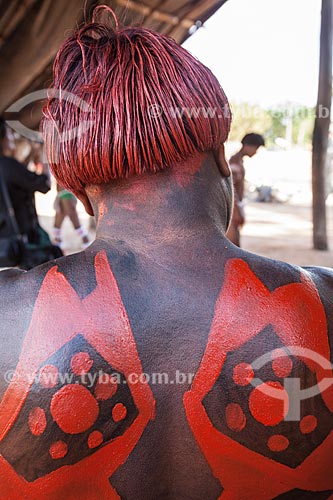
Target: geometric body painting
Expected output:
[238,413]
[79,402]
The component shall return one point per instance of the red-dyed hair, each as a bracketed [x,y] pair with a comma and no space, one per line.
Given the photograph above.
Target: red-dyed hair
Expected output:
[126,82]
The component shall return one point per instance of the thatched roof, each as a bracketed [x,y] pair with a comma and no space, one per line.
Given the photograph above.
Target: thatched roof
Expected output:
[32,30]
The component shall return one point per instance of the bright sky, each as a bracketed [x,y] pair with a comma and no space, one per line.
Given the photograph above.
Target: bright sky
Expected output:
[263,51]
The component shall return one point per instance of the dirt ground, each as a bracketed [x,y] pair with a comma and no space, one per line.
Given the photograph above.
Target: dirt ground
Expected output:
[284,232]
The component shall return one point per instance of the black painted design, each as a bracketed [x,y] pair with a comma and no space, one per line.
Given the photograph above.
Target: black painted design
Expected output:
[255,435]
[304,495]
[20,441]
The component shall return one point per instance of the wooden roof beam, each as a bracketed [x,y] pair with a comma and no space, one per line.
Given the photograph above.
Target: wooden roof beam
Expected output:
[14,19]
[158,15]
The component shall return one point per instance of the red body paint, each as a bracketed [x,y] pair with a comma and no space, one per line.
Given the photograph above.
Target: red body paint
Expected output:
[74,409]
[278,443]
[267,410]
[106,387]
[37,421]
[58,450]
[48,376]
[243,374]
[115,74]
[59,315]
[282,365]
[81,363]
[235,417]
[243,309]
[308,424]
[184,173]
[95,439]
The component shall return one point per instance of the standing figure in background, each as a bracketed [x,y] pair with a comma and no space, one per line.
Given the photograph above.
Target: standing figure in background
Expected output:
[22,185]
[250,145]
[65,206]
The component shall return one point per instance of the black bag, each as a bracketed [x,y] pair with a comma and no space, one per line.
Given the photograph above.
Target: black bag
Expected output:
[10,251]
[15,250]
[34,254]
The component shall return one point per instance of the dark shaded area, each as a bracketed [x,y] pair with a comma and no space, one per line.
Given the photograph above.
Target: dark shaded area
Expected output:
[32,31]
[304,495]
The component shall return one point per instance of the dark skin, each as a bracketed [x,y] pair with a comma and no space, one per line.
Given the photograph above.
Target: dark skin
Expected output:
[164,239]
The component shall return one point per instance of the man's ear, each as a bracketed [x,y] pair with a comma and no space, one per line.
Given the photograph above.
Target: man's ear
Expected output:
[221,161]
[82,196]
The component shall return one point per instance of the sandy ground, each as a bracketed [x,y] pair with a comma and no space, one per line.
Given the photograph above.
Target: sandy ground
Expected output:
[284,232]
[281,231]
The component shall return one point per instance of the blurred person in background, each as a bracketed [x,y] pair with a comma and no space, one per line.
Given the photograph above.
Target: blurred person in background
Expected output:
[250,145]
[65,205]
[22,185]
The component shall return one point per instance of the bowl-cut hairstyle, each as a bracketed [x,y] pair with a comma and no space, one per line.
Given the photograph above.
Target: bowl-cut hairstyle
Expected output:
[125,101]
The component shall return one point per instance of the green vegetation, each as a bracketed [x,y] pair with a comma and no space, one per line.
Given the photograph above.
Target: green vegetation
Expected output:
[289,122]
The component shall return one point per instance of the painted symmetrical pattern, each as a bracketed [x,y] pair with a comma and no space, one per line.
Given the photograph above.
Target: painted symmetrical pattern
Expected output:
[241,426]
[71,415]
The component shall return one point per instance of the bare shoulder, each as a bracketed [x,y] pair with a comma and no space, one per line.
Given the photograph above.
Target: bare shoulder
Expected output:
[18,293]
[17,283]
[323,278]
[35,295]
[276,273]
[8,276]
[11,280]
[19,289]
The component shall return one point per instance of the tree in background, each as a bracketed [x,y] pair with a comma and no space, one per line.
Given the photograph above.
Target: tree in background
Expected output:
[321,129]
[248,118]
[291,122]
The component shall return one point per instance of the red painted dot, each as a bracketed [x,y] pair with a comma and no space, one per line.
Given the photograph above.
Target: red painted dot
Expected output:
[235,417]
[268,403]
[37,421]
[308,424]
[74,409]
[281,364]
[106,387]
[58,450]
[95,439]
[48,376]
[119,412]
[243,374]
[81,363]
[278,443]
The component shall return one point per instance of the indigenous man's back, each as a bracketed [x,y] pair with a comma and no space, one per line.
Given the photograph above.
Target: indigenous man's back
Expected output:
[162,363]
[134,380]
